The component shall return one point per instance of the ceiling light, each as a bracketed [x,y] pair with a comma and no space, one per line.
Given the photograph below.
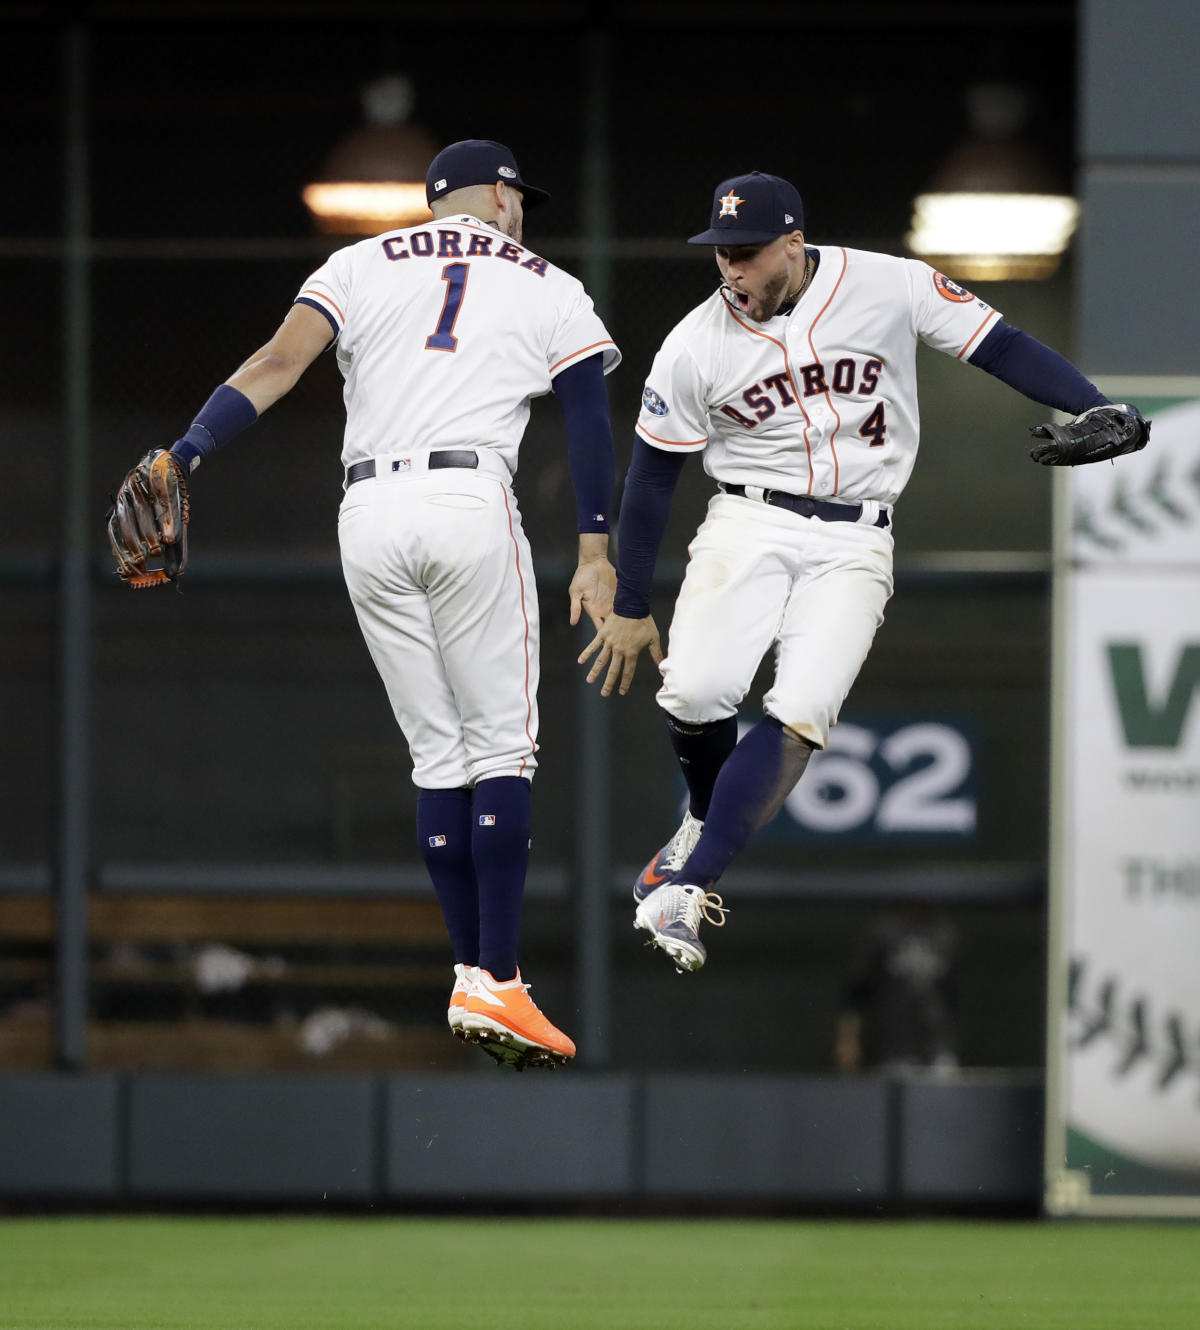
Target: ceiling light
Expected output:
[995,210]
[374,179]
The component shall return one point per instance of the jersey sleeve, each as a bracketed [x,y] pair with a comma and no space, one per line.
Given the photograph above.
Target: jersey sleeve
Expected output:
[673,415]
[579,333]
[328,290]
[948,317]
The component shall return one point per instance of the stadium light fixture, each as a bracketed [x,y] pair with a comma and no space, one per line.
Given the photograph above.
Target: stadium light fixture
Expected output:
[994,211]
[374,178]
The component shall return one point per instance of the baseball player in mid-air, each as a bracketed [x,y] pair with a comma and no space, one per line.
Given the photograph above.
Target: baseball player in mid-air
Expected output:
[444,332]
[796,380]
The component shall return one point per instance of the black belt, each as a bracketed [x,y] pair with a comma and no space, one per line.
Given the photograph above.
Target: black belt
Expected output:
[806,507]
[438,461]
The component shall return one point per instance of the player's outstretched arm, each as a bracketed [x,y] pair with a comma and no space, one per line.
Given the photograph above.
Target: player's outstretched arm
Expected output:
[584,401]
[620,642]
[274,369]
[627,632]
[147,522]
[595,581]
[1099,429]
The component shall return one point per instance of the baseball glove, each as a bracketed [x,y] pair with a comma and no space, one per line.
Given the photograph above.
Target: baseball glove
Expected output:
[1097,435]
[147,523]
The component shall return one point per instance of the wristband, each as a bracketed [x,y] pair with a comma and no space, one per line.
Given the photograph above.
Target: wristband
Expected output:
[226,413]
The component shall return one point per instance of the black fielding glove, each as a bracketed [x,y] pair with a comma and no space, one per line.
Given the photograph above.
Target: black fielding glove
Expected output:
[1098,435]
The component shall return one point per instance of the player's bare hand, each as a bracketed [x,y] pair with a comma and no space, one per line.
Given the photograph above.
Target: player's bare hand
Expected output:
[592,589]
[595,581]
[617,645]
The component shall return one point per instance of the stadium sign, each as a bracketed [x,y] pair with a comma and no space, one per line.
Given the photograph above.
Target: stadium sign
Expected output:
[1123,1075]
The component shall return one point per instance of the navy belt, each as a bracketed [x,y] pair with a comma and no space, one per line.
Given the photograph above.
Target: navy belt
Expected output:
[438,461]
[806,507]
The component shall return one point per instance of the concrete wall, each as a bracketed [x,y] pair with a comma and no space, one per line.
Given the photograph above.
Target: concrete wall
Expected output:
[448,1138]
[1139,139]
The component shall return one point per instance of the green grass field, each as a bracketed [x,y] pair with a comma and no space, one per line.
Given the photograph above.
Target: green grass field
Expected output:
[165,1273]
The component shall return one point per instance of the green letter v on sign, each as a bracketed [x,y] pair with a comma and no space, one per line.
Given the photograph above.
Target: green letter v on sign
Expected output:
[1147,725]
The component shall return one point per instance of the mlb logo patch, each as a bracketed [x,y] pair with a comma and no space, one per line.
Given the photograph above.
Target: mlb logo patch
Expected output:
[436,842]
[487,820]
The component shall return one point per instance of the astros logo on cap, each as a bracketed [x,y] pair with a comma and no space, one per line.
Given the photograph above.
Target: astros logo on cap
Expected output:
[729,205]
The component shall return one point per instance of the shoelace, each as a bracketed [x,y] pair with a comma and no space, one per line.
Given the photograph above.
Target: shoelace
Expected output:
[682,845]
[706,905]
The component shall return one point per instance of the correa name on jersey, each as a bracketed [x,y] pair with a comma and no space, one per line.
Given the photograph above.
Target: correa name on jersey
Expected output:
[449,245]
[408,305]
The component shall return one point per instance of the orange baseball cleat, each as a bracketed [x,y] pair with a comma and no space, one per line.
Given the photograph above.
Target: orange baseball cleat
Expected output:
[505,1013]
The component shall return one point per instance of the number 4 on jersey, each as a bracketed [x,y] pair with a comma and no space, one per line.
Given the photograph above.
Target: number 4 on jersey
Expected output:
[455,277]
[875,427]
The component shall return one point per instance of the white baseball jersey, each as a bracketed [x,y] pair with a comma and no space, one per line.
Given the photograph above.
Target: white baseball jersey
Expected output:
[427,340]
[822,401]
[445,333]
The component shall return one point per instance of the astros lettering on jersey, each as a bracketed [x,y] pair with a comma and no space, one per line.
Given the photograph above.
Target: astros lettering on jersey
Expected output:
[381,304]
[821,401]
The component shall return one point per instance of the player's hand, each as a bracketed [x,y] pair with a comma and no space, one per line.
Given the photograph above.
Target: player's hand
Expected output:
[620,642]
[592,589]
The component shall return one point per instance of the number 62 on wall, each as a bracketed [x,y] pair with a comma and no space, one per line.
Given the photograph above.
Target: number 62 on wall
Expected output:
[915,778]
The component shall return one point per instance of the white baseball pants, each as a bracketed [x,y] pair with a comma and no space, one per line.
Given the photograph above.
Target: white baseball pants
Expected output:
[441,578]
[757,576]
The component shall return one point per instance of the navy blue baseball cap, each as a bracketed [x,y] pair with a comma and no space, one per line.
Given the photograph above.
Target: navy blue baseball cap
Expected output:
[477,162]
[752,209]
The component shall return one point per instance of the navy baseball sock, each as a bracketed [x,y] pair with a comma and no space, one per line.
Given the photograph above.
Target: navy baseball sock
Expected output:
[444,839]
[755,780]
[501,822]
[702,750]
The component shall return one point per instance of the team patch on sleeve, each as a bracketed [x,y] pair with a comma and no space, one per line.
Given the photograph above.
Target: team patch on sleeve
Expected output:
[654,403]
[949,290]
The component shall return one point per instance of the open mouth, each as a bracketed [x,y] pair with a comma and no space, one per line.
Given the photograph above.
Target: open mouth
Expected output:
[743,301]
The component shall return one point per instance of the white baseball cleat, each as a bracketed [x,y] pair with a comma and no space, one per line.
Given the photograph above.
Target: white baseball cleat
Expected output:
[464,982]
[670,859]
[672,914]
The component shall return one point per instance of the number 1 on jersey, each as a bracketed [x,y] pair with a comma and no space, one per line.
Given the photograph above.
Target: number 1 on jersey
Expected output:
[455,277]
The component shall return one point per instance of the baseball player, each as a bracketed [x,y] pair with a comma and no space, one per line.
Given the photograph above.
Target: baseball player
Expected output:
[796,381]
[444,332]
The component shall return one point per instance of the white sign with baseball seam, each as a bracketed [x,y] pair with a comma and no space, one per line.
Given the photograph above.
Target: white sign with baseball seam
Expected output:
[1125,1052]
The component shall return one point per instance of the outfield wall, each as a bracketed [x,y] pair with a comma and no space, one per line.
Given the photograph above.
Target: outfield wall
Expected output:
[553,1138]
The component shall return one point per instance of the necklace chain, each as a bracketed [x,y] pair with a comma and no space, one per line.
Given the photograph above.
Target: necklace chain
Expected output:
[790,300]
[804,281]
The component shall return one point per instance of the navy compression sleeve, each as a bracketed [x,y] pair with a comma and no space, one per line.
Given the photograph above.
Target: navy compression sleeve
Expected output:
[584,401]
[1031,368]
[645,507]
[226,413]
